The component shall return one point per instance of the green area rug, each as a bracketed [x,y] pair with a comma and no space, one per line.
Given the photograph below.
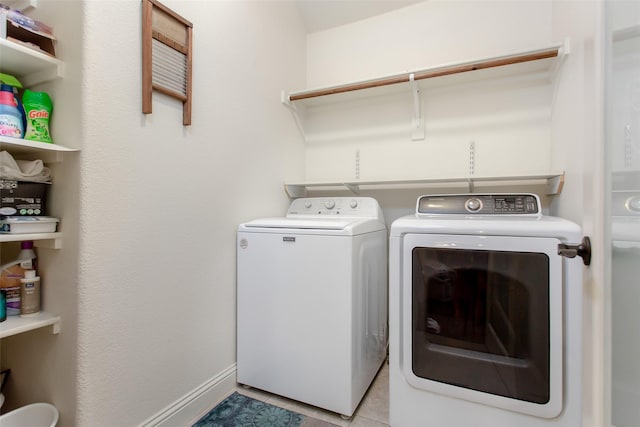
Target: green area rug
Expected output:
[242,411]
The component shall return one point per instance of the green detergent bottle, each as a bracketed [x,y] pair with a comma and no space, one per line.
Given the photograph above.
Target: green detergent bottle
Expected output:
[38,108]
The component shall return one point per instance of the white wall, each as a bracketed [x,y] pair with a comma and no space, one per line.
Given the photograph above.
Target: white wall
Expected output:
[160,203]
[505,120]
[424,35]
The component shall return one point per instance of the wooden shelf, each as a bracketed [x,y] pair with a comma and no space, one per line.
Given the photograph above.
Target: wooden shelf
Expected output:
[552,180]
[28,65]
[15,325]
[534,62]
[47,152]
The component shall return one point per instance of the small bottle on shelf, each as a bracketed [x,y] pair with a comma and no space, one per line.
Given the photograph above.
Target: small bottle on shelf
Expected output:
[11,274]
[3,305]
[29,294]
[10,116]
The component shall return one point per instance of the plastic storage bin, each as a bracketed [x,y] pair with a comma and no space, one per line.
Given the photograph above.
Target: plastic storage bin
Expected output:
[28,224]
[33,415]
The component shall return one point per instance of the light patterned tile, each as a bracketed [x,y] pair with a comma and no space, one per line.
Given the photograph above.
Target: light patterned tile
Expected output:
[359,421]
[372,412]
[375,404]
[310,411]
[254,393]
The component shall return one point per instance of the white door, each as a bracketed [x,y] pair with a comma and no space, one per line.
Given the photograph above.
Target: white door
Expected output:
[622,148]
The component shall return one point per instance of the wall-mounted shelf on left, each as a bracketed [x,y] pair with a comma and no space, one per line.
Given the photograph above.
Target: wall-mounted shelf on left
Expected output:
[41,240]
[15,325]
[28,65]
[47,152]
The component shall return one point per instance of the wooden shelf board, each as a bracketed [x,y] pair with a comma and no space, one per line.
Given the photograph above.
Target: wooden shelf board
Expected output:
[536,61]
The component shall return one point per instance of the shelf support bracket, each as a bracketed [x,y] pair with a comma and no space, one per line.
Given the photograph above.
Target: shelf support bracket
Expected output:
[417,122]
[284,99]
[354,188]
[472,165]
[555,184]
[295,191]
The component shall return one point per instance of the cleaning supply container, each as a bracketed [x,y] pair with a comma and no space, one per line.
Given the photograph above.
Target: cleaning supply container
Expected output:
[14,90]
[29,294]
[10,116]
[33,415]
[38,108]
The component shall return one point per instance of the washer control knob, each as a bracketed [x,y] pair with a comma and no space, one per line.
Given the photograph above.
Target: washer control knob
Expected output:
[353,203]
[633,204]
[307,204]
[473,205]
[329,204]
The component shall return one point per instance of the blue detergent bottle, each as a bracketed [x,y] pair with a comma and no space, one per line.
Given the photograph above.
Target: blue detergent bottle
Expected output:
[10,118]
[14,90]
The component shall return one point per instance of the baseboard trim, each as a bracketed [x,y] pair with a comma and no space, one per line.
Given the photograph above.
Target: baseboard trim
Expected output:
[189,408]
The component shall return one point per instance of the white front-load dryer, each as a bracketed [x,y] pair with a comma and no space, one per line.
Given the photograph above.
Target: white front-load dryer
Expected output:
[312,301]
[485,314]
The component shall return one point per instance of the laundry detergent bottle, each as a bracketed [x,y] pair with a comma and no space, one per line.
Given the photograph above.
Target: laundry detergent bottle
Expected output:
[38,108]
[10,116]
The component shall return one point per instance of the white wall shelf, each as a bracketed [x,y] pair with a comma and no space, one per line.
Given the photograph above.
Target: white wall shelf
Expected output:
[47,152]
[28,65]
[552,180]
[15,325]
[534,65]
[42,240]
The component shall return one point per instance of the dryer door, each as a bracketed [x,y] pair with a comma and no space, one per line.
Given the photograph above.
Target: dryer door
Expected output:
[482,319]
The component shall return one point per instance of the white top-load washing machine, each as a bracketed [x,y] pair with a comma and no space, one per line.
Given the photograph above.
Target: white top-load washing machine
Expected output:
[312,301]
[485,314]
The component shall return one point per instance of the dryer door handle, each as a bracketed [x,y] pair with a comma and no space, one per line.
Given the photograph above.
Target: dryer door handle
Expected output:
[583,250]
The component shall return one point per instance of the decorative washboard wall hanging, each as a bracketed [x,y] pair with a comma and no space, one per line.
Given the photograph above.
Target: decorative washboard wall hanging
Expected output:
[166,56]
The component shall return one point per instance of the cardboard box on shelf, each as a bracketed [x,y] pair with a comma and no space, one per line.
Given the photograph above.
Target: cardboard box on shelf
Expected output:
[21,198]
[23,35]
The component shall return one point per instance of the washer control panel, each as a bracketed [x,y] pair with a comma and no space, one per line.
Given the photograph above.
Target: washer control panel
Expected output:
[366,207]
[479,204]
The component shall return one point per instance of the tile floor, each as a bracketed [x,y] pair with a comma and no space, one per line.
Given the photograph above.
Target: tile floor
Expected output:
[372,412]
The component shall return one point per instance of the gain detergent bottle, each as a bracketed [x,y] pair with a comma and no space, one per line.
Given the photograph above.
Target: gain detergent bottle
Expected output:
[38,108]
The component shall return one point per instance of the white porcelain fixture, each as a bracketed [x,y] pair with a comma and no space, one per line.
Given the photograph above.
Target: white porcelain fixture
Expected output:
[33,415]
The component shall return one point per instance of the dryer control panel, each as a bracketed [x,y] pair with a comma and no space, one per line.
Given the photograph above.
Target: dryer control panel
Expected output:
[479,204]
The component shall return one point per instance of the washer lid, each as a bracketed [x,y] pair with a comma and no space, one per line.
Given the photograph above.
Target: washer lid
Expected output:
[317,226]
[300,223]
